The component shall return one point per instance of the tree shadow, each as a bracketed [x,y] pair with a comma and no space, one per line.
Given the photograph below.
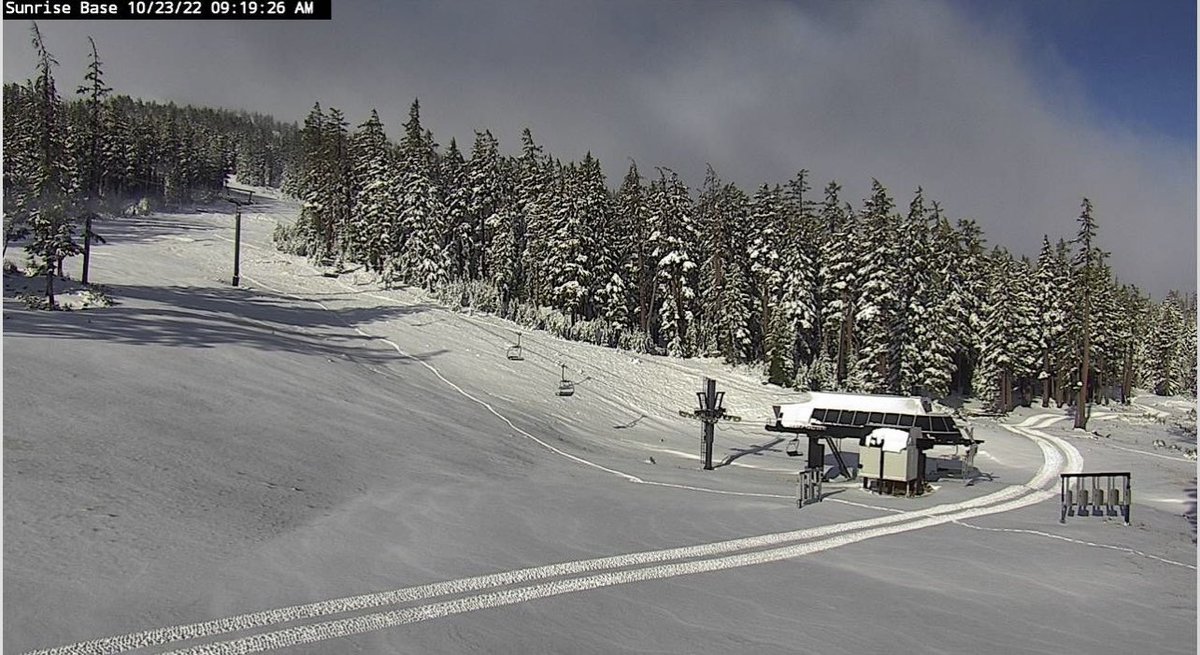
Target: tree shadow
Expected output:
[738,453]
[209,317]
[146,229]
[630,424]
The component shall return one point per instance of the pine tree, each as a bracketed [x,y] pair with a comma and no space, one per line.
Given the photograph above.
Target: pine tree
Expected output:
[800,298]
[767,233]
[639,269]
[672,240]
[972,265]
[535,182]
[594,262]
[422,259]
[374,227]
[92,162]
[838,284]
[721,212]
[1164,352]
[1087,263]
[21,161]
[50,212]
[484,180]
[877,370]
[459,239]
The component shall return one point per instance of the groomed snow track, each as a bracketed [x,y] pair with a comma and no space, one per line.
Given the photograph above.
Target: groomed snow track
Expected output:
[313,622]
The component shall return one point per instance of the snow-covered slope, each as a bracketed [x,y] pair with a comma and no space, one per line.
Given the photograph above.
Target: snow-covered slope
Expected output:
[198,452]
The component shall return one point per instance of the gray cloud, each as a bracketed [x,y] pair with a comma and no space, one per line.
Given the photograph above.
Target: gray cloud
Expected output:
[909,93]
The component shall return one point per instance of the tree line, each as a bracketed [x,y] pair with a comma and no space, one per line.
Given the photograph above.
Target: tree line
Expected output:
[824,293]
[69,160]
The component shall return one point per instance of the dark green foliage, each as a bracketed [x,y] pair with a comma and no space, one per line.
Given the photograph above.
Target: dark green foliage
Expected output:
[823,295]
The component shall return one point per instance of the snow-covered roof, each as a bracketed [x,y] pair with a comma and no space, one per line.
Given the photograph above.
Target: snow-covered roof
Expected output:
[794,415]
[892,440]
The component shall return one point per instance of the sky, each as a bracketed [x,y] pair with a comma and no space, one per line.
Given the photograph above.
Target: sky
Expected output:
[1007,113]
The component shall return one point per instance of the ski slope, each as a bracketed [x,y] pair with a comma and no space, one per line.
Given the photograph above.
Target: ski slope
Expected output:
[322,465]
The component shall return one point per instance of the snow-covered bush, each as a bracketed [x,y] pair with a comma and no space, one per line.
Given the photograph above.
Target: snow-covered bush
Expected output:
[597,331]
[143,207]
[470,294]
[289,239]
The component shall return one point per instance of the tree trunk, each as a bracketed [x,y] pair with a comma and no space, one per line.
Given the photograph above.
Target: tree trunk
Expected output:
[87,246]
[844,339]
[50,287]
[1081,404]
[1046,379]
[1127,378]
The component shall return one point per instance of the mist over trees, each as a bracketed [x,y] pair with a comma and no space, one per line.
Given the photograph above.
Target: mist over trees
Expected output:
[822,293]
[882,294]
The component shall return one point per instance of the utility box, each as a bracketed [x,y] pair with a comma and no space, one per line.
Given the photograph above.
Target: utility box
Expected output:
[890,454]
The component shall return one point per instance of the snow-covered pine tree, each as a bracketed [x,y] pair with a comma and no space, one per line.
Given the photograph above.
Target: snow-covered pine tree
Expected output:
[309,182]
[771,334]
[95,92]
[422,212]
[798,264]
[1024,339]
[1129,332]
[1086,262]
[484,180]
[639,269]
[1008,343]
[21,161]
[51,207]
[459,240]
[118,172]
[923,329]
[1105,342]
[561,271]
[721,212]
[534,184]
[1065,356]
[838,284]
[89,158]
[876,370]
[503,257]
[1051,295]
[594,262]
[972,279]
[374,226]
[938,332]
[339,191]
[672,241]
[1164,370]
[1187,348]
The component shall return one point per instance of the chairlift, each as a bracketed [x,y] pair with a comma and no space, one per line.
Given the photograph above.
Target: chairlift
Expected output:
[514,351]
[565,386]
[793,447]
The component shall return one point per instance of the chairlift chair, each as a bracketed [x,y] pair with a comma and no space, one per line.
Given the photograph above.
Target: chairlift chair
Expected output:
[514,351]
[793,447]
[565,386]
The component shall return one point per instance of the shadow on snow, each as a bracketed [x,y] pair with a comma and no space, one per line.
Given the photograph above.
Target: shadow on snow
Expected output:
[197,317]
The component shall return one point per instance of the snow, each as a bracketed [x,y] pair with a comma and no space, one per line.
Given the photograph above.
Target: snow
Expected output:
[890,439]
[800,414]
[340,457]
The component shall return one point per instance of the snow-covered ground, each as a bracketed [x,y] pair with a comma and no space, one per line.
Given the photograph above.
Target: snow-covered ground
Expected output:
[322,464]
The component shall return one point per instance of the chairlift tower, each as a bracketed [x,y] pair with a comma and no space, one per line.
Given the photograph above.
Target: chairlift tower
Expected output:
[237,231]
[711,410]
